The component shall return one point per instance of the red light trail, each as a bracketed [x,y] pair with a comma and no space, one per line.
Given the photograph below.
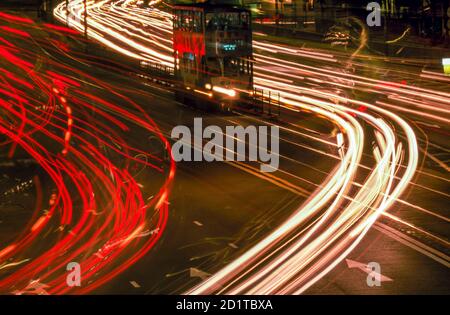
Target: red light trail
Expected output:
[94,209]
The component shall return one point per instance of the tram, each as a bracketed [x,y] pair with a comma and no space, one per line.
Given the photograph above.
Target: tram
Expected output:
[213,54]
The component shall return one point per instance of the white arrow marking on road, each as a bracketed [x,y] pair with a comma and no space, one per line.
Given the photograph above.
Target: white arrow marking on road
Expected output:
[364,267]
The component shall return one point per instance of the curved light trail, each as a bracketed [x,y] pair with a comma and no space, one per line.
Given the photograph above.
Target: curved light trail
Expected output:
[91,206]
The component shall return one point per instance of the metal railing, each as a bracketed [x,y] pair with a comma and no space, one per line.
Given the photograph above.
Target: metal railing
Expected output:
[267,102]
[157,68]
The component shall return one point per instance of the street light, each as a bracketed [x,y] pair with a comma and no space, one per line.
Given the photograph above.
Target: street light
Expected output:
[446,65]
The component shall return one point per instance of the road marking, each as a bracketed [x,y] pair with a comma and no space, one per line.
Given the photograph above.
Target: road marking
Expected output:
[271,178]
[34,287]
[414,244]
[438,162]
[365,268]
[194,272]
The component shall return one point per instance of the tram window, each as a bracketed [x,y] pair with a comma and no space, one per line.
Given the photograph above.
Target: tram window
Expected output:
[189,62]
[189,56]
[197,22]
[223,21]
[242,66]
[244,20]
[213,67]
[186,21]
[228,67]
[232,66]
[176,20]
